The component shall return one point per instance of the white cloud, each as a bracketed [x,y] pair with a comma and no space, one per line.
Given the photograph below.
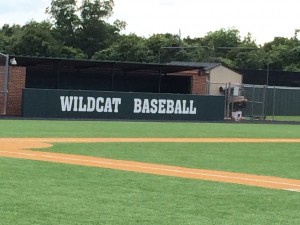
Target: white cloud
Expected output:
[22,11]
[265,19]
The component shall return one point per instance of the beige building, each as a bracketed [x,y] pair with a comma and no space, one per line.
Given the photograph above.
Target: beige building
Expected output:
[216,79]
[216,76]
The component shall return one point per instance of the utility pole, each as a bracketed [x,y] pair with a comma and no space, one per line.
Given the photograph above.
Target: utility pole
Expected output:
[5,82]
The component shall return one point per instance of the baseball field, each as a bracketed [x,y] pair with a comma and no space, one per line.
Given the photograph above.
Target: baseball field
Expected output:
[113,172]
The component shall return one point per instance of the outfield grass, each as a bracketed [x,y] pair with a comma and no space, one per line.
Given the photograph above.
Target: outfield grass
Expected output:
[49,193]
[44,128]
[284,118]
[44,193]
[272,159]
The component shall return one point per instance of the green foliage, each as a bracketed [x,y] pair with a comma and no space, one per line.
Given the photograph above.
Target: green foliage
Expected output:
[157,41]
[127,48]
[73,53]
[94,33]
[226,62]
[93,10]
[84,27]
[222,38]
[283,53]
[66,21]
[35,39]
[252,59]
[8,34]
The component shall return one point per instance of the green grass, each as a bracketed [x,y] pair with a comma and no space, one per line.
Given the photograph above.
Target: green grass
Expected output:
[44,128]
[44,193]
[284,118]
[47,193]
[273,159]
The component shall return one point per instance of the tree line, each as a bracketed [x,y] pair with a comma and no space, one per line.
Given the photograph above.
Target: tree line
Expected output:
[82,32]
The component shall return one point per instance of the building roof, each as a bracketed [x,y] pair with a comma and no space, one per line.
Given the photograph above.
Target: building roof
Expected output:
[200,65]
[85,64]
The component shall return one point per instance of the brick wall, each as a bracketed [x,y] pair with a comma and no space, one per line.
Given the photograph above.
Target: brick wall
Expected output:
[198,85]
[16,82]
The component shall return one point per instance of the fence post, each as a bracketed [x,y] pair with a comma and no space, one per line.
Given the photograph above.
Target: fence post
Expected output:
[252,100]
[264,102]
[228,99]
[225,101]
[274,102]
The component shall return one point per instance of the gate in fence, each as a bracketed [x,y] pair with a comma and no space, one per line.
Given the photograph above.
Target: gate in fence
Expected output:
[234,101]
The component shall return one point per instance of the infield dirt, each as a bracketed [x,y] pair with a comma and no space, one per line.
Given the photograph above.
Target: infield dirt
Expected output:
[18,148]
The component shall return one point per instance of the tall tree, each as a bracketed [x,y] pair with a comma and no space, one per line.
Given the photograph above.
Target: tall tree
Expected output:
[35,39]
[164,46]
[130,48]
[223,38]
[66,21]
[283,53]
[8,35]
[84,26]
[95,10]
[94,33]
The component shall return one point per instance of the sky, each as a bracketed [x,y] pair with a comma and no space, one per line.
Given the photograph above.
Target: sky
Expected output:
[264,19]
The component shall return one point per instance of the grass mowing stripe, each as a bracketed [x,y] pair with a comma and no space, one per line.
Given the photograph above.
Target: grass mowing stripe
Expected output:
[52,128]
[46,193]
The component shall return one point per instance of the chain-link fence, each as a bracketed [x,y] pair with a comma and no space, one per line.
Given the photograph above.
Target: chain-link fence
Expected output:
[257,101]
[276,101]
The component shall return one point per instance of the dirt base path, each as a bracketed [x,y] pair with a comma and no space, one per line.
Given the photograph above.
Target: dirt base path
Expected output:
[16,148]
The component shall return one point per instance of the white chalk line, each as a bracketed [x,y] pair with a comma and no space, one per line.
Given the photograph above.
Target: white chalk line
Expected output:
[295,190]
[159,169]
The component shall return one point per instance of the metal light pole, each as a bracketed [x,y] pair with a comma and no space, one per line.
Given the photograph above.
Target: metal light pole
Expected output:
[5,81]
[268,71]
